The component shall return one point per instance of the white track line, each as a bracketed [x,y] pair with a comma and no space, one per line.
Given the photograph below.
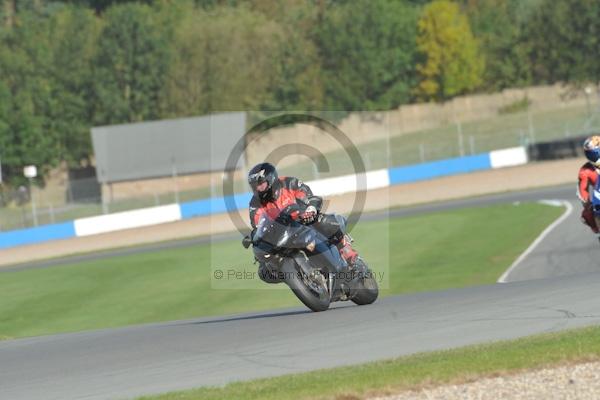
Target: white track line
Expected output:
[546,232]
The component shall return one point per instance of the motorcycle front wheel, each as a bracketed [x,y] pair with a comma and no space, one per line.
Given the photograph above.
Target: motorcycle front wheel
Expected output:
[310,290]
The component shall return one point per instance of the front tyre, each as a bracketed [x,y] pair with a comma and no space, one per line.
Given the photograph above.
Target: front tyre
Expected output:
[310,290]
[366,288]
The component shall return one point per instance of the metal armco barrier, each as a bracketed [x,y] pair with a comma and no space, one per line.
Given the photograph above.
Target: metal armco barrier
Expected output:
[557,149]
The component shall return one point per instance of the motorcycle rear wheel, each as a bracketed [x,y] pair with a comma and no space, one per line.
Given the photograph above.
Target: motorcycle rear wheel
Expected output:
[367,289]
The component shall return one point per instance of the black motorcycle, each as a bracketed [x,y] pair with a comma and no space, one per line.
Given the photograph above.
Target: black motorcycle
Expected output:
[310,264]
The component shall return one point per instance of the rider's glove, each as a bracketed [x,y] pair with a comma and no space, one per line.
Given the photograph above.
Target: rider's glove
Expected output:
[309,215]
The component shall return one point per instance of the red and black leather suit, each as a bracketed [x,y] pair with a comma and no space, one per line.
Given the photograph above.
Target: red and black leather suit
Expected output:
[289,191]
[588,176]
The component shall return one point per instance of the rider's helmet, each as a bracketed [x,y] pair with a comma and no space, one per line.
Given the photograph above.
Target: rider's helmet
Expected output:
[591,148]
[263,179]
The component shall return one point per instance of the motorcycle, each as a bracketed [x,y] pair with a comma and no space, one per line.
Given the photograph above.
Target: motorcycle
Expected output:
[310,264]
[595,200]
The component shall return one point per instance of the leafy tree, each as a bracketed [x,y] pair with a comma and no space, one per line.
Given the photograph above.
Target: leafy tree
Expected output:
[74,32]
[451,60]
[26,134]
[563,36]
[7,12]
[367,51]
[212,4]
[497,24]
[298,83]
[10,156]
[225,59]
[66,65]
[99,6]
[131,65]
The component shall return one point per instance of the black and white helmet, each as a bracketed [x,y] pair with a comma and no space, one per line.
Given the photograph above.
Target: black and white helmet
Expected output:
[262,179]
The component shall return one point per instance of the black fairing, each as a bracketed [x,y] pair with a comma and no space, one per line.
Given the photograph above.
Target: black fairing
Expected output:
[288,238]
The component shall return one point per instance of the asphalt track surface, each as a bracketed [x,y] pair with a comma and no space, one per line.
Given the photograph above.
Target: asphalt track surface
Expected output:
[126,362]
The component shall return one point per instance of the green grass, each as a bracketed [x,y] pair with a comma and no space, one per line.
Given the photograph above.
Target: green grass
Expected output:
[413,372]
[427,252]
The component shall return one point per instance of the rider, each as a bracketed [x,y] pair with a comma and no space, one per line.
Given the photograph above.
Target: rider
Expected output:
[588,176]
[272,194]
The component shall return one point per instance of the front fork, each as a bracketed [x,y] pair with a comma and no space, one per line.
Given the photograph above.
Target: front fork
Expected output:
[334,284]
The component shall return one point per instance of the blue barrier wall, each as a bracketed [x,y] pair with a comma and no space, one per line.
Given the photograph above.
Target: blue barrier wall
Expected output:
[214,205]
[38,234]
[436,169]
[397,175]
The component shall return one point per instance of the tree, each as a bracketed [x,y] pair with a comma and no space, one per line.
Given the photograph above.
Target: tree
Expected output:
[563,35]
[498,24]
[99,6]
[225,59]
[451,61]
[26,134]
[10,154]
[298,84]
[8,12]
[131,65]
[74,32]
[367,51]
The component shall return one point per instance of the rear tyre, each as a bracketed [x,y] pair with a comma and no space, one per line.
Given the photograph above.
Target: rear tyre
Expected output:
[366,288]
[310,291]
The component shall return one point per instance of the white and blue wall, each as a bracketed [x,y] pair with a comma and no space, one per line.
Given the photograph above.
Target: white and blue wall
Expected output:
[324,187]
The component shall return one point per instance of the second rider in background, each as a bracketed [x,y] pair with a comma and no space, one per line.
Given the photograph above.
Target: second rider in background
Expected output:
[588,177]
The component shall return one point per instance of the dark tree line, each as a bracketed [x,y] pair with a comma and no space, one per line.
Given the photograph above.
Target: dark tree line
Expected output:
[68,65]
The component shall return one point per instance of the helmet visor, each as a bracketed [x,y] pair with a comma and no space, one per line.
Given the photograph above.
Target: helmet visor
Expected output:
[261,187]
[593,155]
[258,184]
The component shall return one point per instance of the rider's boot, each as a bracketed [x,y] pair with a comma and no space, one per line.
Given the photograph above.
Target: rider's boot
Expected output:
[594,225]
[346,251]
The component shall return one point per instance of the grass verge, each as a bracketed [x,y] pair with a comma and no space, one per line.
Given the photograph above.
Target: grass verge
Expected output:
[501,131]
[421,253]
[413,372]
